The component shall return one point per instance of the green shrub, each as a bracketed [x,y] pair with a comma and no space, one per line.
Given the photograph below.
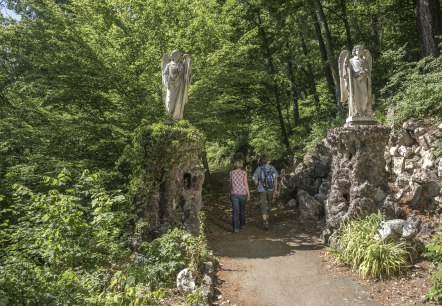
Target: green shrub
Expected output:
[416,90]
[69,246]
[434,253]
[356,245]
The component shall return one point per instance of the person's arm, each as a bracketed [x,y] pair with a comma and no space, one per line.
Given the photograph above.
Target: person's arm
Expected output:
[276,184]
[246,183]
[255,176]
[276,180]
[230,183]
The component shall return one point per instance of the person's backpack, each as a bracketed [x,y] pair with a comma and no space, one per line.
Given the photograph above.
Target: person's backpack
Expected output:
[267,178]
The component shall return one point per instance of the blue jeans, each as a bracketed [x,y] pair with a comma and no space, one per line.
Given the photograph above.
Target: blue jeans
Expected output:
[239,210]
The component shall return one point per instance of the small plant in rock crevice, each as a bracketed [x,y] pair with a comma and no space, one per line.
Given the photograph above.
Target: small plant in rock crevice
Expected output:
[356,245]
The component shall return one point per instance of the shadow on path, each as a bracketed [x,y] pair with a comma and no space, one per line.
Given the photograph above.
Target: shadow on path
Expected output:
[281,266]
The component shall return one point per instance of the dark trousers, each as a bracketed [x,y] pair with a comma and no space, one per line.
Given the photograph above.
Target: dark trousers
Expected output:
[238,210]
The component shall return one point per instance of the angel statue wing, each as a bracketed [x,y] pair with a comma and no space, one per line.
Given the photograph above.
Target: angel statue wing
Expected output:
[164,62]
[343,75]
[187,75]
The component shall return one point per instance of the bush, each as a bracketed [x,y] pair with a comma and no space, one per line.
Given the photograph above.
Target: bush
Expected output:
[416,90]
[69,246]
[434,253]
[356,245]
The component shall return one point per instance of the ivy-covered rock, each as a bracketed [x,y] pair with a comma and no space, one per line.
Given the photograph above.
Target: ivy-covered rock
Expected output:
[166,176]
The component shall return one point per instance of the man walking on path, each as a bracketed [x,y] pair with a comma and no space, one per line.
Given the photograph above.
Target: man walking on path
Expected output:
[266,178]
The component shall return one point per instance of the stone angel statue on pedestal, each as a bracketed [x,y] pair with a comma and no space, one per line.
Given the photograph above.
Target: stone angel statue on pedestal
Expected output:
[176,72]
[355,85]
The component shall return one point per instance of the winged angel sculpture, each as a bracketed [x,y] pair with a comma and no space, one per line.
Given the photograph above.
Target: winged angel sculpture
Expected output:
[355,84]
[176,71]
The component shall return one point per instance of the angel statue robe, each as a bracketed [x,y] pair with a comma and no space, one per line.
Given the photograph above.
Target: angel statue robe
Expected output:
[176,80]
[355,75]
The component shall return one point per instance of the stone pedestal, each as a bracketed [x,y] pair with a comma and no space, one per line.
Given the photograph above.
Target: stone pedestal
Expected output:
[359,120]
[359,180]
[166,177]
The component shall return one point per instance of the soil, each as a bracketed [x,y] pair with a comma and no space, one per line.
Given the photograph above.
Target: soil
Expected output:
[289,265]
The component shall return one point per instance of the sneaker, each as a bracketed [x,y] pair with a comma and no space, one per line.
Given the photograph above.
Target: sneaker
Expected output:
[236,231]
[265,225]
[242,226]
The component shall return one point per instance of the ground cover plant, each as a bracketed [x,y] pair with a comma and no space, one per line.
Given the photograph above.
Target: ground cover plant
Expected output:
[356,245]
[69,245]
[434,253]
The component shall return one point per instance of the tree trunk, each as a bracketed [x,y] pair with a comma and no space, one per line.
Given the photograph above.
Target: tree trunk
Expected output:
[205,161]
[428,14]
[325,65]
[329,48]
[309,72]
[275,87]
[293,92]
[343,6]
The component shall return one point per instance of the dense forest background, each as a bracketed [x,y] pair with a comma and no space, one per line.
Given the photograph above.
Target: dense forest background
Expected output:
[77,77]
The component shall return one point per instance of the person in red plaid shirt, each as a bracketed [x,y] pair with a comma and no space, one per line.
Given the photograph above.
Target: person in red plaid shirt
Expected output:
[239,194]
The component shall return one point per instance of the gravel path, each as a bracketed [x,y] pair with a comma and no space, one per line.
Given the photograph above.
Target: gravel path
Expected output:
[281,266]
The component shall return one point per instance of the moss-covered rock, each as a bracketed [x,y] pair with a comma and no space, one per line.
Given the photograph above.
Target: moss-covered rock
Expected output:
[166,176]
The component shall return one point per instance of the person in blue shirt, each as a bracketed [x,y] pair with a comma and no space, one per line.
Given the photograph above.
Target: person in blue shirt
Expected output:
[266,179]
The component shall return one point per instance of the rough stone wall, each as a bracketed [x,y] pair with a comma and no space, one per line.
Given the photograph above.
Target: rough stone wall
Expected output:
[359,180]
[166,177]
[414,161]
[180,198]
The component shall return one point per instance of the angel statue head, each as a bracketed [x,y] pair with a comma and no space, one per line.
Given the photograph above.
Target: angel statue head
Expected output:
[176,70]
[357,50]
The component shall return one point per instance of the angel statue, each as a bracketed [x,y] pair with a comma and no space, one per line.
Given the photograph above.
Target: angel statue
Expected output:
[176,70]
[355,84]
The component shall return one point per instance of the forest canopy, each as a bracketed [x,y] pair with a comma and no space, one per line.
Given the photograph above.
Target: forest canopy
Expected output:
[77,78]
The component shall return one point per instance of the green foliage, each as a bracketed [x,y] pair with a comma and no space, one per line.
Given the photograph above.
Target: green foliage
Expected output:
[415,90]
[155,149]
[355,244]
[69,245]
[58,244]
[195,298]
[319,131]
[434,253]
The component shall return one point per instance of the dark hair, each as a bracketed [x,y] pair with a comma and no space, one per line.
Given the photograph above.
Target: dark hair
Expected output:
[262,160]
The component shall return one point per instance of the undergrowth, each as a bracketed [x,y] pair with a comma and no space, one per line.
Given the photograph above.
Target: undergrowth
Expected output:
[356,245]
[70,245]
[434,253]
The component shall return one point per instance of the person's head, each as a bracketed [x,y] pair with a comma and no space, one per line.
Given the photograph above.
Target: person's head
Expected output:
[238,163]
[263,160]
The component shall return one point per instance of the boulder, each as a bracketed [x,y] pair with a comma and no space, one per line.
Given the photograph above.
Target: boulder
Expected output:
[185,281]
[404,139]
[405,151]
[392,210]
[422,196]
[411,228]
[391,230]
[394,151]
[411,124]
[403,180]
[291,203]
[412,163]
[398,165]
[309,206]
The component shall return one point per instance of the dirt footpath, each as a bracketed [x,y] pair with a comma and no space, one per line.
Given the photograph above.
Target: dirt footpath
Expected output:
[281,266]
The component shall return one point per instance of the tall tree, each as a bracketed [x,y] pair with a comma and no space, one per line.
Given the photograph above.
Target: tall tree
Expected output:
[328,47]
[430,26]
